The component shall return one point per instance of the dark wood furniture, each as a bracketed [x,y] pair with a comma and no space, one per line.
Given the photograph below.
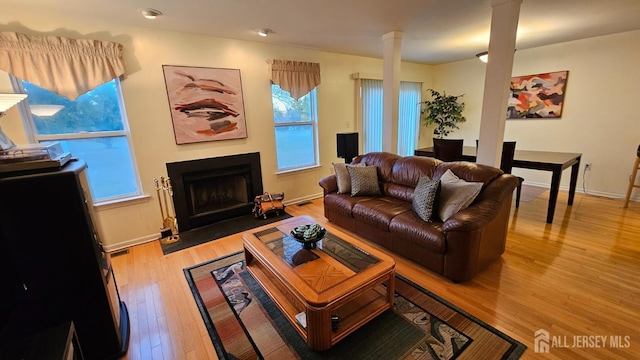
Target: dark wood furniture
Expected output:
[52,265]
[55,343]
[447,149]
[506,165]
[555,162]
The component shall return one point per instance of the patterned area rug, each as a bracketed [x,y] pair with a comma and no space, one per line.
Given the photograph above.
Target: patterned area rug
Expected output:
[244,323]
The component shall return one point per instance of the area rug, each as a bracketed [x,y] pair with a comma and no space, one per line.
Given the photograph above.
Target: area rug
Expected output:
[244,323]
[218,230]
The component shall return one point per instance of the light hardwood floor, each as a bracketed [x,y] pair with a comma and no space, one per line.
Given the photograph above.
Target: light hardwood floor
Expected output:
[578,278]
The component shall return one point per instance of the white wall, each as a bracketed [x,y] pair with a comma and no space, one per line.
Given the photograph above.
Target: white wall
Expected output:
[600,115]
[145,97]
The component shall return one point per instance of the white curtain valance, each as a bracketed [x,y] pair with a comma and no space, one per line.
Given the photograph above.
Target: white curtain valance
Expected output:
[296,77]
[69,67]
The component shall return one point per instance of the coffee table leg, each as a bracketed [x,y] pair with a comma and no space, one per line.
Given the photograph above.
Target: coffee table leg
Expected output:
[319,329]
[391,285]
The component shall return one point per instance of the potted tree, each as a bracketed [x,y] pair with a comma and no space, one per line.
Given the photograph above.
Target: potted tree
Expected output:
[444,111]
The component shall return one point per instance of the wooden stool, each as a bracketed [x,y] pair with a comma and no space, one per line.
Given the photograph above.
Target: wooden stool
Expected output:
[632,180]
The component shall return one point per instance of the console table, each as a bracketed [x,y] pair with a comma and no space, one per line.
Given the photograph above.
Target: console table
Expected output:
[555,162]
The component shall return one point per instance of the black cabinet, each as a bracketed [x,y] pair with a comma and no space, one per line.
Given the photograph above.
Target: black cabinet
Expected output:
[52,265]
[54,343]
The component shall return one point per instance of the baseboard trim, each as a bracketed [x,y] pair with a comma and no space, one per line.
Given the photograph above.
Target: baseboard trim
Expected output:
[129,243]
[303,199]
[145,239]
[581,190]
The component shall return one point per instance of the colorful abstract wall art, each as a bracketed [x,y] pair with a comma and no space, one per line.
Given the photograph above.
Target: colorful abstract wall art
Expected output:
[206,103]
[537,96]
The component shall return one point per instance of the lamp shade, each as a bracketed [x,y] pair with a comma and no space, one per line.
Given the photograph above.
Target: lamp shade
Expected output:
[7,101]
[45,110]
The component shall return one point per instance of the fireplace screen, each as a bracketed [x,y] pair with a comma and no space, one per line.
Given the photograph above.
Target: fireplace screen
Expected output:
[218,194]
[214,189]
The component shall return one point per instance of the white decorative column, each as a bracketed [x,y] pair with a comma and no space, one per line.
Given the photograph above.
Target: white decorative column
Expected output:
[391,90]
[504,26]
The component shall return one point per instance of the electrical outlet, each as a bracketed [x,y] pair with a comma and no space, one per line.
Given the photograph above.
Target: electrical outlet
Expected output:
[587,167]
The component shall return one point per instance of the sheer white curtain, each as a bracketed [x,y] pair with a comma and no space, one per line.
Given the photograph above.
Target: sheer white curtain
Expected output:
[371,95]
[408,117]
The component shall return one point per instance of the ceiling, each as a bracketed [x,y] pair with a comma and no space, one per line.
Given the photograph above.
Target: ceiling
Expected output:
[433,31]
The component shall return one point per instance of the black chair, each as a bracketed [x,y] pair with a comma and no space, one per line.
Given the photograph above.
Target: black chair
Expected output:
[448,149]
[506,164]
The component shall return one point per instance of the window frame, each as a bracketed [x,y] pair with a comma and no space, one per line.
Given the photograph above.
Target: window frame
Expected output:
[313,104]
[34,138]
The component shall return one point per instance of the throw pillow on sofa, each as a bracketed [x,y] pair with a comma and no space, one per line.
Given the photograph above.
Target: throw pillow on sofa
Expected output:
[364,180]
[425,197]
[342,176]
[456,194]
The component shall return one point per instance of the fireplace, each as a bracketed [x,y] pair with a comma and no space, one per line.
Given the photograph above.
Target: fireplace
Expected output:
[209,190]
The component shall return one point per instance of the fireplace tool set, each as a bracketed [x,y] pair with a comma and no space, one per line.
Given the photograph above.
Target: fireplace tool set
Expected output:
[169,230]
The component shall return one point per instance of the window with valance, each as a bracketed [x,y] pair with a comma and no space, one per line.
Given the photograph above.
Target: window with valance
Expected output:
[74,98]
[295,114]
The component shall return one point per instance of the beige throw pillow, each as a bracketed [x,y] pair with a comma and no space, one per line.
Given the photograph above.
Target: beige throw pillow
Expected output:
[342,176]
[456,194]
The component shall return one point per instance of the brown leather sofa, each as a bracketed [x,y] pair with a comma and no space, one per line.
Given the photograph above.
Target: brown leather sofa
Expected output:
[458,248]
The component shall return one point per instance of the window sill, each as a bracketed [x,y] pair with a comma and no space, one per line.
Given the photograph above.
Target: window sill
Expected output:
[297,169]
[112,204]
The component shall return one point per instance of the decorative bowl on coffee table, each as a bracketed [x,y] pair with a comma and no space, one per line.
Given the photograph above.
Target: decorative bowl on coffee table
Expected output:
[308,235]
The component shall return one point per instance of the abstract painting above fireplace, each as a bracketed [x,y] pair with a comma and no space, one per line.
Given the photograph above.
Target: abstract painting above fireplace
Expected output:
[214,189]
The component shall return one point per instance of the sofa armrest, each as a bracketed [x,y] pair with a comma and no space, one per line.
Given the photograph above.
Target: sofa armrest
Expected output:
[329,184]
[486,207]
[473,218]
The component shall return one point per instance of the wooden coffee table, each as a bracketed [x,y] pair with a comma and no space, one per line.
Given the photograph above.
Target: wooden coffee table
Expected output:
[342,278]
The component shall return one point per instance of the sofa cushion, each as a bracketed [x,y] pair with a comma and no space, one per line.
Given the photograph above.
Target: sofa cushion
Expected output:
[364,180]
[383,160]
[455,194]
[378,212]
[343,203]
[342,177]
[409,227]
[425,197]
[408,170]
[406,173]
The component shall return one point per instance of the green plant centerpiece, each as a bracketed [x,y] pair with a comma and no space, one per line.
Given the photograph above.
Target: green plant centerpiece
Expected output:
[444,111]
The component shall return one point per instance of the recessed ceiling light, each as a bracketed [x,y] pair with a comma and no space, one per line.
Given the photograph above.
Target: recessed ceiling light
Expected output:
[151,13]
[264,32]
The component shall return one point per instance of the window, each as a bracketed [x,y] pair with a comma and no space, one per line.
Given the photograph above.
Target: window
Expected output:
[93,128]
[296,129]
[371,93]
[408,117]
